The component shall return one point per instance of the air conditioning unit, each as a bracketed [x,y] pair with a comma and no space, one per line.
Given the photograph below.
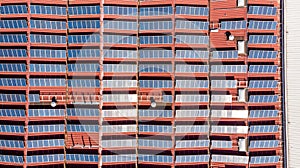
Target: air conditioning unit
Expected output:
[241,47]
[242,95]
[243,145]
[241,3]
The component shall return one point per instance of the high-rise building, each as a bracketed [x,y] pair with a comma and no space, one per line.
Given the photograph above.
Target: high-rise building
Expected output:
[148,83]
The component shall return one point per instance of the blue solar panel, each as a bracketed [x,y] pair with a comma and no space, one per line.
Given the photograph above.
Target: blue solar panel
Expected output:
[192,158]
[83,83]
[11,158]
[192,39]
[156,11]
[45,112]
[194,25]
[40,82]
[13,38]
[12,82]
[264,128]
[78,67]
[12,112]
[13,9]
[82,157]
[262,10]
[48,10]
[84,53]
[263,98]
[263,68]
[82,128]
[263,84]
[12,128]
[155,68]
[77,39]
[262,54]
[156,54]
[12,67]
[229,68]
[44,24]
[12,98]
[193,54]
[82,112]
[156,83]
[264,144]
[84,24]
[46,128]
[225,54]
[264,159]
[13,24]
[118,158]
[262,39]
[263,113]
[84,10]
[45,143]
[13,53]
[119,39]
[192,84]
[155,158]
[11,143]
[262,25]
[232,25]
[190,10]
[191,68]
[45,158]
[47,39]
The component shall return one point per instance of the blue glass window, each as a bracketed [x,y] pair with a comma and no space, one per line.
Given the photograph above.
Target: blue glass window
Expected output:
[13,38]
[156,39]
[83,10]
[46,53]
[94,38]
[119,10]
[192,39]
[13,24]
[83,24]
[47,39]
[13,9]
[13,53]
[48,10]
[262,10]
[189,10]
[45,24]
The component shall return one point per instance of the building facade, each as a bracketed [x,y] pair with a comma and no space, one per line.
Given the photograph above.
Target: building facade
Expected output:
[149,83]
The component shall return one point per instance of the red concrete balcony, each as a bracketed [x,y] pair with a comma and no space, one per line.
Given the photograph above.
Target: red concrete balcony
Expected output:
[48,17]
[227,14]
[192,2]
[13,30]
[121,2]
[13,87]
[156,2]
[266,2]
[214,5]
[48,31]
[49,2]
[86,2]
[13,44]
[119,31]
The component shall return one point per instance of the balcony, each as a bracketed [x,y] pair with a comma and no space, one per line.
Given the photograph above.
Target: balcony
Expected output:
[45,159]
[187,100]
[191,56]
[81,159]
[192,12]
[191,70]
[14,145]
[11,160]
[13,54]
[191,130]
[155,144]
[185,145]
[14,130]
[14,11]
[84,12]
[45,144]
[229,160]
[192,160]
[192,85]
[13,40]
[119,129]
[13,84]
[123,144]
[119,114]
[156,115]
[162,12]
[40,130]
[191,115]
[219,130]
[119,159]
[164,130]
[229,115]
[120,12]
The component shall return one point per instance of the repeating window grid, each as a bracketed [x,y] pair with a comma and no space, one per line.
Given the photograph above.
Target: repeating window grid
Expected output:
[80,83]
[264,144]
[12,67]
[118,128]
[118,158]
[155,158]
[119,83]
[13,24]
[156,11]
[83,67]
[120,25]
[13,9]
[46,112]
[41,82]
[119,39]
[155,68]
[12,82]
[155,143]
[191,98]
[156,25]
[47,39]
[13,38]
[223,83]
[191,25]
[263,84]
[82,112]
[47,68]
[221,98]
[233,25]
[45,143]
[263,113]
[48,10]
[82,128]
[13,53]
[165,39]
[120,113]
[191,113]
[194,54]
[84,24]
[120,68]
[120,98]
[45,158]
[192,129]
[12,112]
[34,97]
[221,144]
[262,39]
[11,158]
[225,54]
[230,159]
[156,113]
[12,128]
[156,54]
[192,83]
[156,84]
[230,129]
[189,10]
[45,128]
[75,39]
[11,143]
[191,143]
[82,158]
[118,10]
[192,158]
[45,53]
[118,143]
[45,24]
[120,54]
[167,98]
[155,128]
[264,159]
[12,98]
[264,128]
[84,53]
[263,98]
[262,54]
[229,68]
[191,68]
[263,68]
[192,39]
[83,10]
[262,25]
[262,10]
